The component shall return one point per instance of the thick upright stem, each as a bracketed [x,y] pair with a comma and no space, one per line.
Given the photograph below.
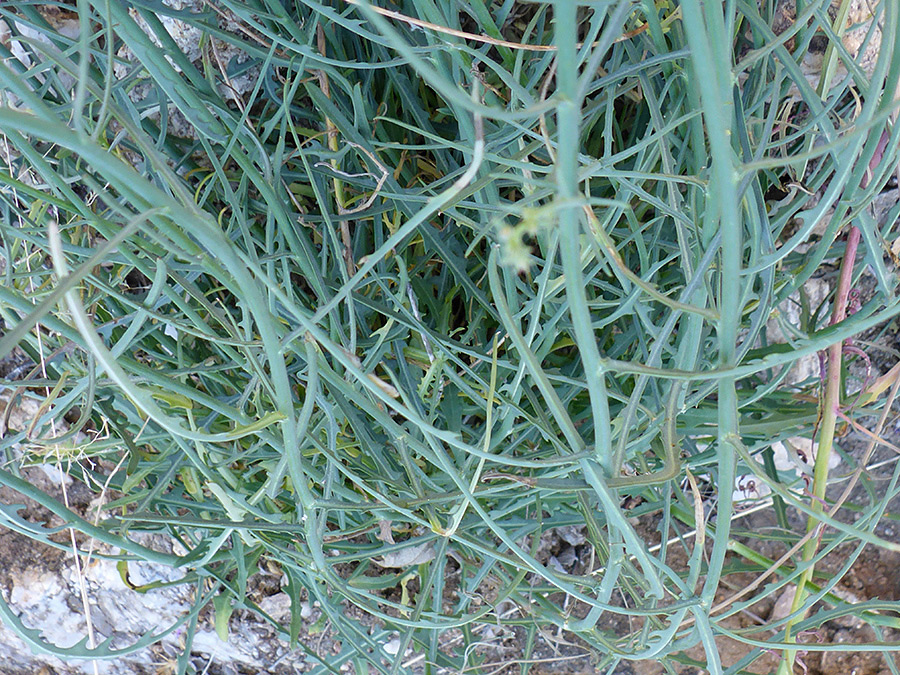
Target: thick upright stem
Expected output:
[832,400]
[709,43]
[830,409]
[568,121]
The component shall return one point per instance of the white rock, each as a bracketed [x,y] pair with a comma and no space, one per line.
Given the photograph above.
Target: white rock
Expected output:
[277,606]
[788,455]
[782,606]
[748,487]
[55,474]
[574,535]
[410,555]
[799,454]
[555,564]
[789,312]
[186,36]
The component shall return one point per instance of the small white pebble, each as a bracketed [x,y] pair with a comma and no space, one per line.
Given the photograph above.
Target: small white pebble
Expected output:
[55,474]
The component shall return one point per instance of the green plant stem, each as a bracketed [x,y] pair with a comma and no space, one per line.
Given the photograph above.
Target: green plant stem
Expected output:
[568,119]
[709,45]
[333,145]
[830,405]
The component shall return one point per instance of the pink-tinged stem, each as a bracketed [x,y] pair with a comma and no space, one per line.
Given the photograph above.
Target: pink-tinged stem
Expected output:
[830,408]
[842,295]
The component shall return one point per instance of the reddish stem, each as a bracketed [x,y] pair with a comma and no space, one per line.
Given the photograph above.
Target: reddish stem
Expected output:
[844,287]
[831,405]
[842,294]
